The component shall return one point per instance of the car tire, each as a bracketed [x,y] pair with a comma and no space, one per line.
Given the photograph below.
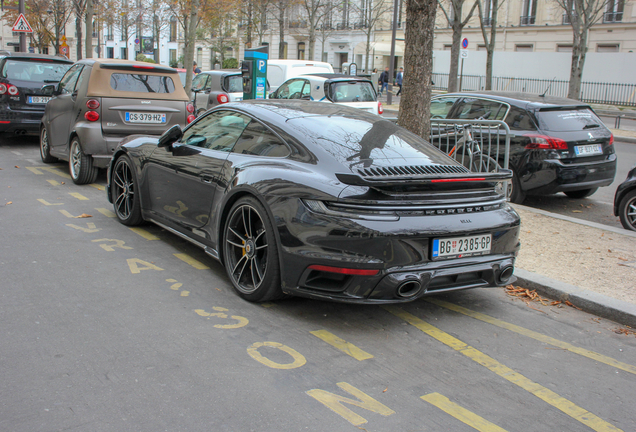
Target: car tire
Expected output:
[125,192]
[80,165]
[250,252]
[627,211]
[578,194]
[45,149]
[515,194]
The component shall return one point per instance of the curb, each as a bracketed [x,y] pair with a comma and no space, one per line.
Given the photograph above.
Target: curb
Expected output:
[606,307]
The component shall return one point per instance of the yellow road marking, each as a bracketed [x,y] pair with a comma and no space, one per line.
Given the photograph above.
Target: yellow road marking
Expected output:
[587,418]
[537,336]
[299,359]
[48,203]
[460,413]
[335,403]
[67,214]
[136,265]
[56,171]
[79,196]
[145,234]
[98,186]
[35,170]
[342,345]
[242,321]
[54,182]
[110,247]
[189,260]
[106,212]
[91,228]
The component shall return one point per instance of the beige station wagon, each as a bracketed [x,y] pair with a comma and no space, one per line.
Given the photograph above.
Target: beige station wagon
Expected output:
[99,102]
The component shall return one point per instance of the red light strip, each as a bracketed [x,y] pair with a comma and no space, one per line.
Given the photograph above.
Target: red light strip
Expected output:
[458,180]
[5,122]
[143,67]
[347,271]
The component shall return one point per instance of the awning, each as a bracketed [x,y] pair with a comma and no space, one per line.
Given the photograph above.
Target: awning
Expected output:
[380,48]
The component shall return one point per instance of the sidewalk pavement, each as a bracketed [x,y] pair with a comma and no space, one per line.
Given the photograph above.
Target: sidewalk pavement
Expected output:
[606,281]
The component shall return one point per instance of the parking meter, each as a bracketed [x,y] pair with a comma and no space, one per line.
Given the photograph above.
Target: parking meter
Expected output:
[254,73]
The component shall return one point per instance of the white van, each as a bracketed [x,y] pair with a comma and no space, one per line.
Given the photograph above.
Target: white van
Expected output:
[279,71]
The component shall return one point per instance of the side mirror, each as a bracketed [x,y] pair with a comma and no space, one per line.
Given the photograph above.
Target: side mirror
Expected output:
[49,89]
[170,136]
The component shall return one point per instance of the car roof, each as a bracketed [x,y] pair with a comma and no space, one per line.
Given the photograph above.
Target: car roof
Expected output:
[221,72]
[526,100]
[29,56]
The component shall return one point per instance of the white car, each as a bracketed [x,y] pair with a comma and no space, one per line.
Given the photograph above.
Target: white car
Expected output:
[279,71]
[352,91]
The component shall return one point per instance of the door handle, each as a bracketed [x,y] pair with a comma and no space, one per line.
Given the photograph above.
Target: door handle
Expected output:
[206,179]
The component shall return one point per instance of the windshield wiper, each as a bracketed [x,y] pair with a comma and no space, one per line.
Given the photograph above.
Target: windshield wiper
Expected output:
[591,126]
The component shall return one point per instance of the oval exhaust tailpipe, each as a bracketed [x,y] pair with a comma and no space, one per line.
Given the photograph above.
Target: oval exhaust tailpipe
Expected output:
[409,289]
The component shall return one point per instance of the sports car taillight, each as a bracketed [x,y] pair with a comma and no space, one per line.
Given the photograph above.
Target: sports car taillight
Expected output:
[92,104]
[91,116]
[222,99]
[611,139]
[190,118]
[380,109]
[544,142]
[190,108]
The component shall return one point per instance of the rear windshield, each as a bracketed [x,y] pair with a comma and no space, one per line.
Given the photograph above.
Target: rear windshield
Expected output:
[34,71]
[233,84]
[568,120]
[128,82]
[352,91]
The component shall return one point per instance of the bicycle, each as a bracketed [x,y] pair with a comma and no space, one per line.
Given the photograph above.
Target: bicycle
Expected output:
[468,152]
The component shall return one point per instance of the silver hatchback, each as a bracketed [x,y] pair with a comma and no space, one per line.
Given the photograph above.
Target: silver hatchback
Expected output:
[99,102]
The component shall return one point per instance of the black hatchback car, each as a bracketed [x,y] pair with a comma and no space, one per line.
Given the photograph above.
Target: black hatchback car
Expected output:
[22,76]
[557,144]
[625,201]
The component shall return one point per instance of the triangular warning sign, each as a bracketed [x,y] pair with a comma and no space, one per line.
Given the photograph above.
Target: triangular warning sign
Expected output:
[22,25]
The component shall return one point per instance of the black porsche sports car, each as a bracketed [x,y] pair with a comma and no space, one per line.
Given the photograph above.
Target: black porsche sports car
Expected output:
[319,200]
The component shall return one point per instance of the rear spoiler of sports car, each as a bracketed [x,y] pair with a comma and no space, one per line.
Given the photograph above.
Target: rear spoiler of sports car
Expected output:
[413,180]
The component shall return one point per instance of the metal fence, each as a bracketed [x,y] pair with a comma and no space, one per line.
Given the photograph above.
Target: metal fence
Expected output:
[591,92]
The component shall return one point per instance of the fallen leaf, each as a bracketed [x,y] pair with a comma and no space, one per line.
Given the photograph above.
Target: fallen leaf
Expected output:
[83,215]
[609,250]
[63,183]
[10,202]
[384,391]
[577,211]
[571,305]
[622,259]
[17,166]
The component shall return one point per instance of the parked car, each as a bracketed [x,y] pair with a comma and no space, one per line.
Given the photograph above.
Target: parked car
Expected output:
[625,201]
[319,200]
[217,87]
[22,76]
[557,144]
[279,71]
[98,102]
[335,88]
[182,75]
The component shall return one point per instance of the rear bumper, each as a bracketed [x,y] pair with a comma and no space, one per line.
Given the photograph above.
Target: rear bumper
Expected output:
[20,121]
[560,177]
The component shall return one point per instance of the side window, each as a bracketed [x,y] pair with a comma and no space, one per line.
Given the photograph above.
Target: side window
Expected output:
[306,89]
[258,140]
[441,106]
[291,90]
[67,84]
[519,119]
[481,109]
[83,78]
[216,131]
[199,82]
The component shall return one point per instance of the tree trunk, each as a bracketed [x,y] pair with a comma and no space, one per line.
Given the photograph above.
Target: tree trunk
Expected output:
[453,84]
[189,54]
[78,29]
[579,50]
[281,30]
[415,104]
[89,28]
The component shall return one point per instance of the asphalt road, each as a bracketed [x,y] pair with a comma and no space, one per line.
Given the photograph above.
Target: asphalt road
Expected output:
[107,328]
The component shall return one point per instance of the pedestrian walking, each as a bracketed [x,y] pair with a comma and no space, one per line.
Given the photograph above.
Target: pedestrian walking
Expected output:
[398,80]
[383,82]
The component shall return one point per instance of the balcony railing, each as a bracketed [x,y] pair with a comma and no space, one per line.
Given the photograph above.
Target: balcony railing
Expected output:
[610,17]
[297,24]
[527,20]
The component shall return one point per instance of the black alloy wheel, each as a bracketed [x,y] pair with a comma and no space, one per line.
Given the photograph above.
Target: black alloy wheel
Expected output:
[45,149]
[515,194]
[577,194]
[250,253]
[124,192]
[627,211]
[80,165]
